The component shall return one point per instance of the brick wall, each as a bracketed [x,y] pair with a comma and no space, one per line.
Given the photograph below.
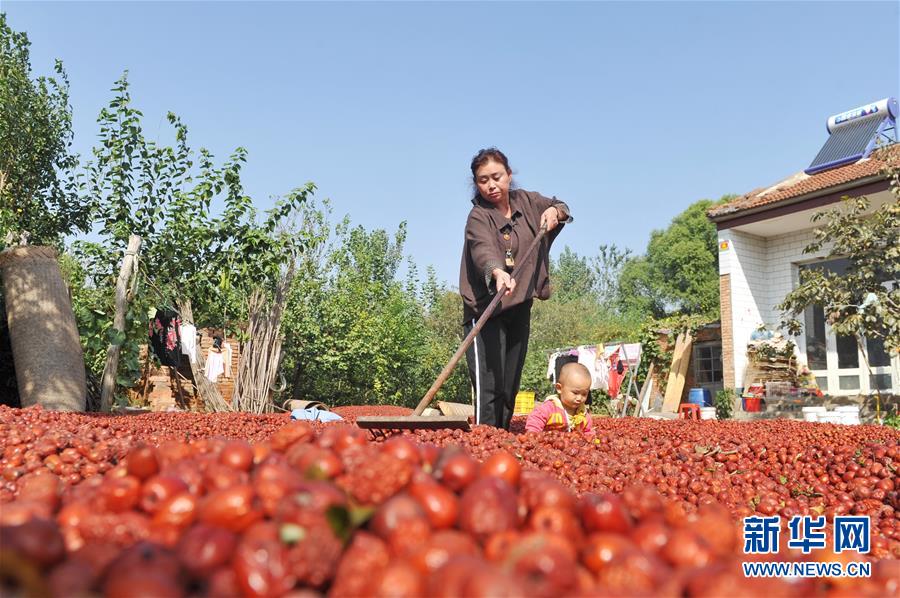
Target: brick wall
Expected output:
[727,334]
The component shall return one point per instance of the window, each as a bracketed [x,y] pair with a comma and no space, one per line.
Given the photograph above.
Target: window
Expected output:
[708,365]
[839,362]
[816,353]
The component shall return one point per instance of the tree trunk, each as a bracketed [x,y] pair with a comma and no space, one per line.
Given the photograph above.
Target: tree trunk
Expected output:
[129,269]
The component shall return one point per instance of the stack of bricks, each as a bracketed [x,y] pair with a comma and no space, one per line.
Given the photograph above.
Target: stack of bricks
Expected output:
[160,395]
[727,331]
[155,385]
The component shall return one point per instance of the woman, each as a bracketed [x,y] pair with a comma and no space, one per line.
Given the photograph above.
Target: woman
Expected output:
[500,228]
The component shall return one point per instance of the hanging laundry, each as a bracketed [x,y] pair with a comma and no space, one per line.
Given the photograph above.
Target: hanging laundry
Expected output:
[595,363]
[617,369]
[551,365]
[215,363]
[164,337]
[189,341]
[630,353]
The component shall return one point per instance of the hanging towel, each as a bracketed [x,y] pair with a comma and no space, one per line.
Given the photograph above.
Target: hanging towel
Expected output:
[226,354]
[551,365]
[214,365]
[189,341]
[587,356]
[601,366]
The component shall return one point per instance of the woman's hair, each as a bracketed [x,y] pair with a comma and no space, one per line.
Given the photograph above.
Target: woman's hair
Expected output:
[483,157]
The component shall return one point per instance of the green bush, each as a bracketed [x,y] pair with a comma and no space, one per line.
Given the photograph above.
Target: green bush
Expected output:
[725,403]
[893,420]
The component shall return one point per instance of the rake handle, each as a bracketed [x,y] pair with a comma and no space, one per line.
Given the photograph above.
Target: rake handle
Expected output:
[470,338]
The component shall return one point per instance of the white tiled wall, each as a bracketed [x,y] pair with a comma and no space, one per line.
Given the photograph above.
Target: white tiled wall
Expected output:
[763,270]
[784,253]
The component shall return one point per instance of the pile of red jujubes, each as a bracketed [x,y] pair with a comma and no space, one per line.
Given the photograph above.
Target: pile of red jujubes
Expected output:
[76,446]
[648,508]
[775,467]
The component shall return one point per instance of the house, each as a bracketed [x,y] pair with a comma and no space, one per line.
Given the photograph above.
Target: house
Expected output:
[762,237]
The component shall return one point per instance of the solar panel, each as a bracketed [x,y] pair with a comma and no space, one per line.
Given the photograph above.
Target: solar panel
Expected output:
[846,144]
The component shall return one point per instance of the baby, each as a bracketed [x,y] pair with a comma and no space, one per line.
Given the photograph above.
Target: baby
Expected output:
[565,411]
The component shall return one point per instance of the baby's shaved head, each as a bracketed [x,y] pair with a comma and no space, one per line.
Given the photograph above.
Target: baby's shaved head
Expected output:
[573,371]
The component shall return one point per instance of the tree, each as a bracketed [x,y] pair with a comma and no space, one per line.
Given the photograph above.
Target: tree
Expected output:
[571,276]
[443,335]
[38,193]
[864,301]
[136,186]
[607,266]
[355,334]
[679,272]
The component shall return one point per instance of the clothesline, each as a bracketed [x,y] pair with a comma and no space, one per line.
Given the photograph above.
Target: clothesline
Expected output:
[606,346]
[607,363]
[572,348]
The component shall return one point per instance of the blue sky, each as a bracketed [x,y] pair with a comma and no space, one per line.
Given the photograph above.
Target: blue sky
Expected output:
[627,111]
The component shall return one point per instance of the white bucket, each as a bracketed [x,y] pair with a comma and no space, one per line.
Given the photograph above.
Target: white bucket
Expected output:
[831,417]
[812,414]
[707,413]
[849,414]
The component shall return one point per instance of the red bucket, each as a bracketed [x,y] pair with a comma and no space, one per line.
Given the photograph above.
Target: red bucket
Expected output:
[752,404]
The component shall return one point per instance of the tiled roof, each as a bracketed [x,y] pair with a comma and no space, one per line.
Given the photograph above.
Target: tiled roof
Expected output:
[802,183]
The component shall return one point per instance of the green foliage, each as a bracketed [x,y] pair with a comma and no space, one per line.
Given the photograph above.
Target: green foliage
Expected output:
[725,403]
[572,277]
[93,308]
[354,334]
[443,325]
[607,268]
[165,194]
[652,352]
[865,300]
[679,272]
[37,169]
[893,420]
[582,310]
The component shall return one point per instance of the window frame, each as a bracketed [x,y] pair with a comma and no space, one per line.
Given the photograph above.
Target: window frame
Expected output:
[714,384]
[832,373]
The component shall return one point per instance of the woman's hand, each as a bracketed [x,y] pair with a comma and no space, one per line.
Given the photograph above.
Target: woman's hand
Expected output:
[550,217]
[501,278]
